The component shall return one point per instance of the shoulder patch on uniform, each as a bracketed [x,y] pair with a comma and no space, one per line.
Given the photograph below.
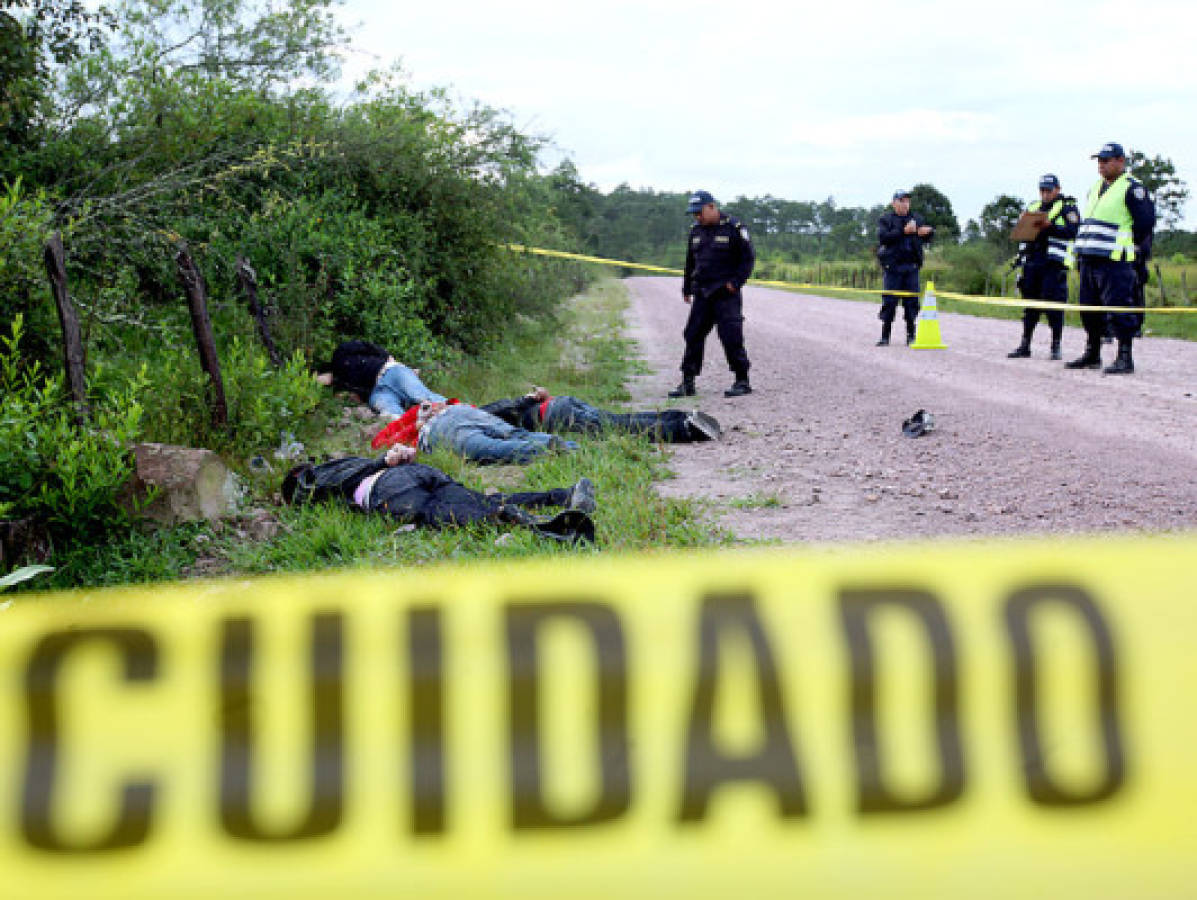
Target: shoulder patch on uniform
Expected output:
[1074,217]
[1140,193]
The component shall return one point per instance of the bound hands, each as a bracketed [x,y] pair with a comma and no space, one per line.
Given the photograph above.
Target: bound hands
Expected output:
[400,454]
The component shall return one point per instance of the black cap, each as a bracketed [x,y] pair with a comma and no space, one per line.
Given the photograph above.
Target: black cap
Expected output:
[1048,181]
[900,193]
[698,200]
[1109,151]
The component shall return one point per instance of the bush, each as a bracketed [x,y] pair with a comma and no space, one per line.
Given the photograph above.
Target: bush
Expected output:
[65,477]
[25,225]
[263,402]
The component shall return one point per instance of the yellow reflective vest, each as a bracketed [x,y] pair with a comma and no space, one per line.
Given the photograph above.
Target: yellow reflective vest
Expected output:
[1107,227]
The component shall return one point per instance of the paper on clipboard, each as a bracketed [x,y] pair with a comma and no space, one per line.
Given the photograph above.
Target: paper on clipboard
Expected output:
[1028,226]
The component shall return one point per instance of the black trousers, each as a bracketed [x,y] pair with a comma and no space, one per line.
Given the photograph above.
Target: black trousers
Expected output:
[437,500]
[1105,282]
[1044,282]
[900,279]
[721,309]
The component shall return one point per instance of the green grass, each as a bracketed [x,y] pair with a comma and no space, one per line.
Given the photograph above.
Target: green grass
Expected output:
[758,501]
[581,354]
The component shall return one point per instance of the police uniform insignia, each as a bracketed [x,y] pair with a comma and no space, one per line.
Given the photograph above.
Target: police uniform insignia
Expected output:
[1140,193]
[744,234]
[1073,218]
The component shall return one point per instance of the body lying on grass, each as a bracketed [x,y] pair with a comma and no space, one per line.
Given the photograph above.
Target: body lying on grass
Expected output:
[375,377]
[539,410]
[411,492]
[469,432]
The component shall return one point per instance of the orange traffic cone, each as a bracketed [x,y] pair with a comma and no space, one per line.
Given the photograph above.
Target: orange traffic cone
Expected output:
[926,335]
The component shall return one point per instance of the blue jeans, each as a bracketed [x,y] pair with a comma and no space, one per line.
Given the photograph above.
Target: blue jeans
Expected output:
[481,437]
[399,388]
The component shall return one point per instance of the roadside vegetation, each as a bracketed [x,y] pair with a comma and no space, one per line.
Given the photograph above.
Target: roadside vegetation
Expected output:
[579,351]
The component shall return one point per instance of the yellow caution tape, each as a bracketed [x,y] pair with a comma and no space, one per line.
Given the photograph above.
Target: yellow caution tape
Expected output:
[1002,720]
[802,286]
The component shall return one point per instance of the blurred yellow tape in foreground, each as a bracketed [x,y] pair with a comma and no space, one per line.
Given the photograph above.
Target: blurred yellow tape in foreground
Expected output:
[997,720]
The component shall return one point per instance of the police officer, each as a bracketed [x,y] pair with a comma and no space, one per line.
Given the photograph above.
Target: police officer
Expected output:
[1115,234]
[900,238]
[719,259]
[1045,263]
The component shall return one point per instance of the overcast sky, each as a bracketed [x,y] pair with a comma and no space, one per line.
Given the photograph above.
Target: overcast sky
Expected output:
[840,98]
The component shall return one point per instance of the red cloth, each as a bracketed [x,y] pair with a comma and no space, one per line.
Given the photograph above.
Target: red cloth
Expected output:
[544,407]
[403,430]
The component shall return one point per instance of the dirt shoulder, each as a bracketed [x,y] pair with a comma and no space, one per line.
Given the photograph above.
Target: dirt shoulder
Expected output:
[1021,446]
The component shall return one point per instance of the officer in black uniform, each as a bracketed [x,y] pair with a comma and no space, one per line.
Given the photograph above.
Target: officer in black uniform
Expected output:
[900,238]
[1045,264]
[719,259]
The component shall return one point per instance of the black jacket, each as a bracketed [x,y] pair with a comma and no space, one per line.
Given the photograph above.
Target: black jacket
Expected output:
[715,255]
[522,412]
[896,248]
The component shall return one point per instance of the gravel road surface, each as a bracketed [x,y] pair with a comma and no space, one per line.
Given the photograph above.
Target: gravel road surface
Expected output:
[1020,446]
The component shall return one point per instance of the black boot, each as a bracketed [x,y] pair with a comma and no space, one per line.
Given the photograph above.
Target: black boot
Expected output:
[1091,358]
[1123,365]
[1056,348]
[1023,350]
[885,330]
[909,333]
[685,389]
[739,388]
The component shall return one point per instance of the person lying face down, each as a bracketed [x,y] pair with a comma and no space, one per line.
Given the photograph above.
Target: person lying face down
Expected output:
[472,433]
[376,377]
[411,492]
[538,410]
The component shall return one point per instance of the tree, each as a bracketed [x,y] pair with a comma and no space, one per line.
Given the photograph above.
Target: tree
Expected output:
[1158,175]
[997,218]
[936,210]
[36,36]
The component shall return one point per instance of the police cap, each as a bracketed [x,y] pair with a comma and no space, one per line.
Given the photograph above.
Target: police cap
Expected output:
[1048,181]
[698,200]
[1109,151]
[901,194]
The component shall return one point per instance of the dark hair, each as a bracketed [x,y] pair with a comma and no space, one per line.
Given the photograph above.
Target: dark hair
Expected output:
[302,474]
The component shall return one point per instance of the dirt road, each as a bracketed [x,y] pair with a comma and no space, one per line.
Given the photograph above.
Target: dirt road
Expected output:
[1021,446]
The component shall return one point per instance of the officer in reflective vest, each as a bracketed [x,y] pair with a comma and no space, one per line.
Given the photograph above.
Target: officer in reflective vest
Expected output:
[1115,233]
[1045,263]
[719,259]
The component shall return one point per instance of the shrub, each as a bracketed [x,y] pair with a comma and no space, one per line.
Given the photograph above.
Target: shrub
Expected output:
[65,477]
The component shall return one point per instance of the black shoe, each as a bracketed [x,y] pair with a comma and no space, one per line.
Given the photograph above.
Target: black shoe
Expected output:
[1056,352]
[885,329]
[909,338]
[1090,359]
[581,496]
[685,389]
[884,342]
[1020,352]
[739,388]
[1123,365]
[703,427]
[569,527]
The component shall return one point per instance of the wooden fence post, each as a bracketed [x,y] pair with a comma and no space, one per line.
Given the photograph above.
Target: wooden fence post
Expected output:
[248,279]
[1159,276]
[197,303]
[72,343]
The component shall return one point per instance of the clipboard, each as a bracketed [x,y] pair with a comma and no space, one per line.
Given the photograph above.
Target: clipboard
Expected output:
[1027,227]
